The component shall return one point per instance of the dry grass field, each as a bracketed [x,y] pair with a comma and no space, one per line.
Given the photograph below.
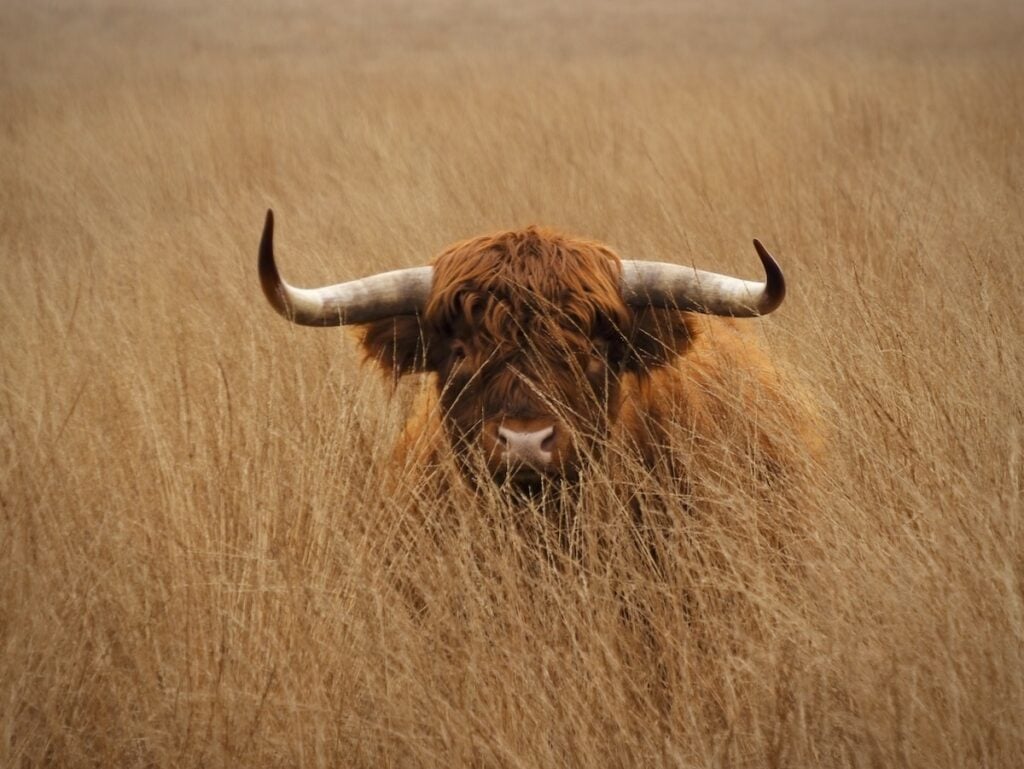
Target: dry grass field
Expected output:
[197,557]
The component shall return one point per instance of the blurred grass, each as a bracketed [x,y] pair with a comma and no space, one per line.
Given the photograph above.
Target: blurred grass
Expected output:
[196,559]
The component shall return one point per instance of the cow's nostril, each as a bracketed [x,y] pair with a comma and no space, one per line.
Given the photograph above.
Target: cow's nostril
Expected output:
[549,442]
[502,439]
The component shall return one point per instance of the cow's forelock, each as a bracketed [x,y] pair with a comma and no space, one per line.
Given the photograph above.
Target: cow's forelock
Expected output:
[525,285]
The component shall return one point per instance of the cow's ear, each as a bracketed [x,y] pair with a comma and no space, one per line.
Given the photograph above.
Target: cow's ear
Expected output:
[656,338]
[399,344]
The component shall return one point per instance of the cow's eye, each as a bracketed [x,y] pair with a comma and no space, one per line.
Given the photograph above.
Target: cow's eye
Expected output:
[597,358]
[458,351]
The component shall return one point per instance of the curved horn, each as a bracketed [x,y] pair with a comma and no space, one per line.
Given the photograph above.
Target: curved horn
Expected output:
[400,292]
[672,286]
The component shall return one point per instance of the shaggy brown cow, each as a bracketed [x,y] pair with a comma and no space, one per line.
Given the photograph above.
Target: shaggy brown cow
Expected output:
[542,345]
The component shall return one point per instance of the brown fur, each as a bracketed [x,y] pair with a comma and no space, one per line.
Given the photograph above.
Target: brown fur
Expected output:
[529,326]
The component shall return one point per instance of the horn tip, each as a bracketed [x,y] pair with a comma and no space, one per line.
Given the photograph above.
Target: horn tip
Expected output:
[270,278]
[266,263]
[775,284]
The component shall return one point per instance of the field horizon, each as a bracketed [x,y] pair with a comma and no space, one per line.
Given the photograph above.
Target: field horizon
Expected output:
[206,545]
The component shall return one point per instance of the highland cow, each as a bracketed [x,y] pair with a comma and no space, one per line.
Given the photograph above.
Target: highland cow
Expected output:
[543,345]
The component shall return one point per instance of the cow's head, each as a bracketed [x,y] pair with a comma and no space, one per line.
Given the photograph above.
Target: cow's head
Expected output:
[529,333]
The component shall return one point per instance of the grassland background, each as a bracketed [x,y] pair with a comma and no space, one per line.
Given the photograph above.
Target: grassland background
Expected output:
[192,530]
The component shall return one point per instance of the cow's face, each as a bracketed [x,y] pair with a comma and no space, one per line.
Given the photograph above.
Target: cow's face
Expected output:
[530,403]
[529,339]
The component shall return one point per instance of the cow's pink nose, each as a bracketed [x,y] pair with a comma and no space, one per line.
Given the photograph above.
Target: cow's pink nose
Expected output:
[533,448]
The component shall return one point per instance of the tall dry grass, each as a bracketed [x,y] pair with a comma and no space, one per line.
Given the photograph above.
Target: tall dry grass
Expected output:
[198,563]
